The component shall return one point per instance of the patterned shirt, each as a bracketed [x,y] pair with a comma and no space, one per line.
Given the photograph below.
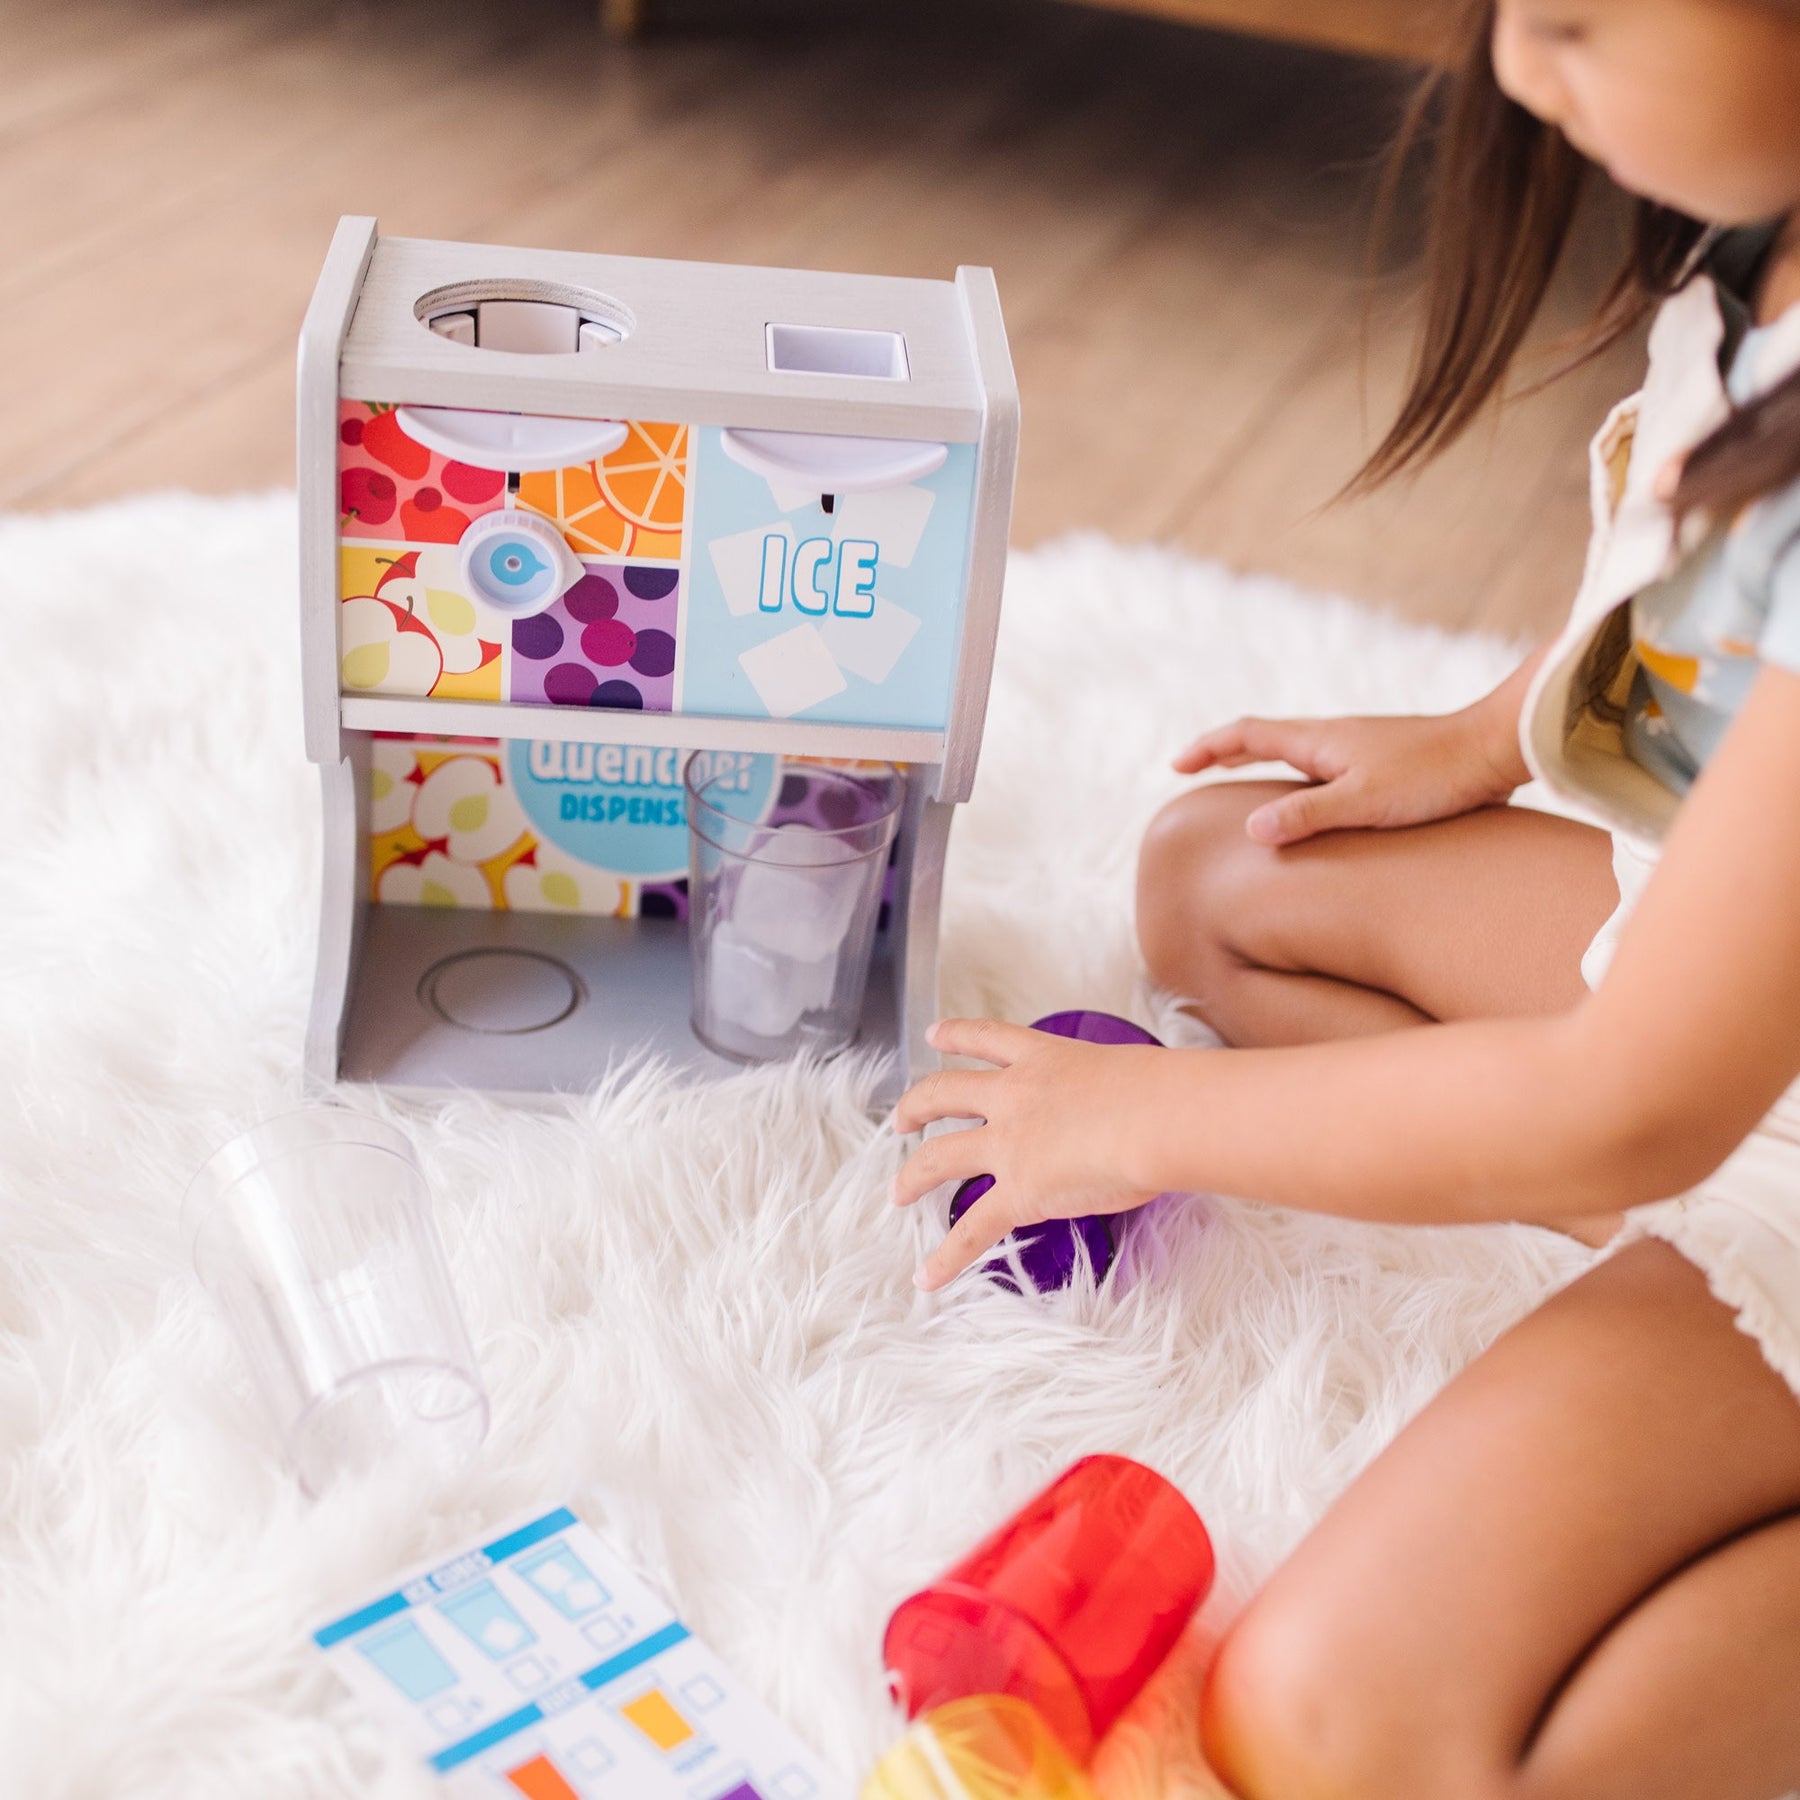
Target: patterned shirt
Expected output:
[1702,634]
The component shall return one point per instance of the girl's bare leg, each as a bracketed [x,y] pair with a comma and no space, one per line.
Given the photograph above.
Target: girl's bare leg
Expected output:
[1364,931]
[1575,1576]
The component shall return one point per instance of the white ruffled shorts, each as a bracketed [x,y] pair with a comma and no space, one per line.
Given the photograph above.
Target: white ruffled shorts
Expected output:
[1741,1226]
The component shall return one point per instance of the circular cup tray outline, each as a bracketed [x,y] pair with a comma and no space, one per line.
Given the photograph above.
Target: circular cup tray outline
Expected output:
[499,991]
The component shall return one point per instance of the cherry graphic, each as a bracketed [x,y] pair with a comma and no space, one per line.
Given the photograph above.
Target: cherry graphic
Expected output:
[351,431]
[431,521]
[387,443]
[463,481]
[366,494]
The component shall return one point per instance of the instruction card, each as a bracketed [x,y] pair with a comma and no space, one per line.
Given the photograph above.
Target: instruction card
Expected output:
[538,1665]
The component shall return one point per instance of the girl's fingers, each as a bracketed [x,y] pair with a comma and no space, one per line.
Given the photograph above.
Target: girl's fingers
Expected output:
[987,1040]
[1197,756]
[1212,747]
[949,1094]
[971,1237]
[1243,741]
[953,1157]
[1329,807]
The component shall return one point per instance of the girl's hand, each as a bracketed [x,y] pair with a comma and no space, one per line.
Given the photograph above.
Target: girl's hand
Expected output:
[1370,773]
[1054,1134]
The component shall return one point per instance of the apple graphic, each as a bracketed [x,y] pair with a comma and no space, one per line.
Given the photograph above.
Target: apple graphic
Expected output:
[366,495]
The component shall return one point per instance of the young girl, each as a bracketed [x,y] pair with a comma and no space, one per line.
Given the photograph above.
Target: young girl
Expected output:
[1577,1573]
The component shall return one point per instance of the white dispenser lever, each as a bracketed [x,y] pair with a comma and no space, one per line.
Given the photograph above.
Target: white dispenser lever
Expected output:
[523,442]
[828,464]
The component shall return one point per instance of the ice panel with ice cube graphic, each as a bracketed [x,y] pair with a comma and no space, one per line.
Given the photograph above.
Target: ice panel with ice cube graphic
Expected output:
[845,608]
[539,1665]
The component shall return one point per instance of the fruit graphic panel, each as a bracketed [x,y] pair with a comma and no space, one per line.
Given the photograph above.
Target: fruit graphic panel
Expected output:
[609,641]
[537,825]
[390,486]
[405,626]
[633,502]
[529,826]
[446,828]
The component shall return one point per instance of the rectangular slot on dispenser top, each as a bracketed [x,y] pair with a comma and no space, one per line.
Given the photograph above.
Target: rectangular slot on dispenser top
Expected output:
[836,350]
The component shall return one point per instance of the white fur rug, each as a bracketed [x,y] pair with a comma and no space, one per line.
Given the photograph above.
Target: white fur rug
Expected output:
[692,1306]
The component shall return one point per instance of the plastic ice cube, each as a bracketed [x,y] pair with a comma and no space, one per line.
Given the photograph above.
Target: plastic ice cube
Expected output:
[760,991]
[798,898]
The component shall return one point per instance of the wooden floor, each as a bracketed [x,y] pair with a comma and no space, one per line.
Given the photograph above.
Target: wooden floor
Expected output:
[1177,219]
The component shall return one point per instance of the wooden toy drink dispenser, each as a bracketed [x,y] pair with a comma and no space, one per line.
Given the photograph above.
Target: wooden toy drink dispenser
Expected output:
[566,520]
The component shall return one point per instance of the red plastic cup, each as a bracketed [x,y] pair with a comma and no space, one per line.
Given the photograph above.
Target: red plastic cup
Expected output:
[1069,1606]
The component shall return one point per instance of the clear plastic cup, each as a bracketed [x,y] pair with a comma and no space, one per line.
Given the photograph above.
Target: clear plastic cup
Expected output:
[786,865]
[313,1234]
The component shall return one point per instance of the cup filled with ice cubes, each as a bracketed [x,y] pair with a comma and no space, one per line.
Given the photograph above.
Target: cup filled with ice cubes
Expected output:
[786,866]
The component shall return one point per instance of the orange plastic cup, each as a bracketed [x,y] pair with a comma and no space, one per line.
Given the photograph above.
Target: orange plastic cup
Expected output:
[1069,1606]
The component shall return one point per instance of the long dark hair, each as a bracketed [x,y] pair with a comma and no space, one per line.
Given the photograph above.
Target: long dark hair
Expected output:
[1505,188]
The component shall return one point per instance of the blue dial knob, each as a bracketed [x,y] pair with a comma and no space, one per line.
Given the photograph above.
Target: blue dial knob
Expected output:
[517,562]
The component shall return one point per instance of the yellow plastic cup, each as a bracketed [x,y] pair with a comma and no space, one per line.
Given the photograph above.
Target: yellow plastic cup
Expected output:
[987,1747]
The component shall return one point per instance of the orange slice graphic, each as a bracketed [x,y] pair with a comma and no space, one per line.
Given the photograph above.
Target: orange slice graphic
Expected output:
[573,499]
[645,479]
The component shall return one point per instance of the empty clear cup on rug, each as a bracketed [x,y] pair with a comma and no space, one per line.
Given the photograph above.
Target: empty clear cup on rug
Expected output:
[313,1234]
[786,865]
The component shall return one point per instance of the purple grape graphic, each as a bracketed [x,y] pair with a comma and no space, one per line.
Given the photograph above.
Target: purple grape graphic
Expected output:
[539,637]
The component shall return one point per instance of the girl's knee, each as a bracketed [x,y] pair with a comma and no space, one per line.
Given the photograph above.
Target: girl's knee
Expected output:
[1193,867]
[1296,1707]
[1267,1712]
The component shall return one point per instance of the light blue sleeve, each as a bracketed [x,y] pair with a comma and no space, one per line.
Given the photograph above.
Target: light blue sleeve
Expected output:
[1768,558]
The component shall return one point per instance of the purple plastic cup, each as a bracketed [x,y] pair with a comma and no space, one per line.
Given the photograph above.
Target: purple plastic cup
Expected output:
[1050,1252]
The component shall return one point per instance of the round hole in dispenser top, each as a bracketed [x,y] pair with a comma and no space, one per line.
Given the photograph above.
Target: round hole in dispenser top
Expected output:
[1069,1606]
[524,316]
